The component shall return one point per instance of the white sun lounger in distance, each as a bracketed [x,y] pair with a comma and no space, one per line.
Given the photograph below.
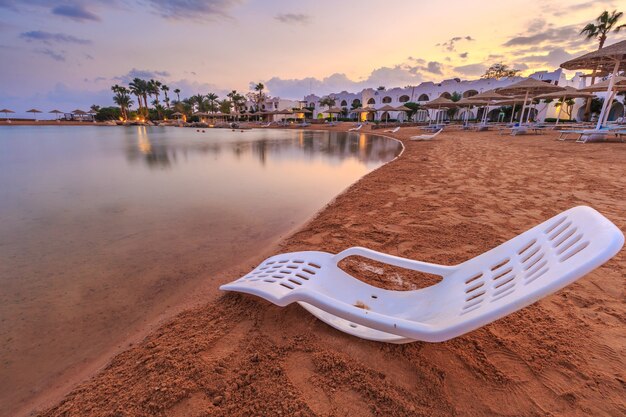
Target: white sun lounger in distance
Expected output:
[426,137]
[472,294]
[353,129]
[392,130]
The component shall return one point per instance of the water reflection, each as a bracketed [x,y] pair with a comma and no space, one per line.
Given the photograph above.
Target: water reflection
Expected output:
[158,150]
[102,228]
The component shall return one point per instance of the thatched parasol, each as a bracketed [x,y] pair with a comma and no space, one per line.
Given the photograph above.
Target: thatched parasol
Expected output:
[468,102]
[439,103]
[403,109]
[34,112]
[619,84]
[489,97]
[610,59]
[568,93]
[386,108]
[6,114]
[529,87]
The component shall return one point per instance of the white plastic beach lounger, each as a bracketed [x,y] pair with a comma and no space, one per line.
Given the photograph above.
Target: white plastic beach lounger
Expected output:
[472,294]
[426,137]
[354,129]
[392,130]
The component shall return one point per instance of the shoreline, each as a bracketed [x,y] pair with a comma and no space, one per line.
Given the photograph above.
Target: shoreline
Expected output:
[422,206]
[71,377]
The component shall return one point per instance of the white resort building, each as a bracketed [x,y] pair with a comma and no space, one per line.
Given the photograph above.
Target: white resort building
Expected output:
[427,91]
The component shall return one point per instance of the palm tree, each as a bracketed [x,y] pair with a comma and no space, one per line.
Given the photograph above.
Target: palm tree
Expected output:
[328,102]
[212,97]
[237,100]
[122,99]
[177,92]
[154,89]
[200,102]
[260,96]
[599,30]
[165,89]
[135,87]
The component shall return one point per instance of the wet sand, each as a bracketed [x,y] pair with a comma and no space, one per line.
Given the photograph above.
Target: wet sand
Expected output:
[442,201]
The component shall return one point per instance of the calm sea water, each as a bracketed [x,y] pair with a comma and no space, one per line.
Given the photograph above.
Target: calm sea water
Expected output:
[102,228]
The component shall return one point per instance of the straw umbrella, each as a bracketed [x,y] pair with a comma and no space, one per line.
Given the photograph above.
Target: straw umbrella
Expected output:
[56,113]
[439,103]
[34,112]
[302,111]
[489,96]
[360,110]
[403,109]
[386,108]
[529,87]
[333,110]
[468,103]
[568,93]
[284,112]
[619,84]
[79,112]
[611,59]
[6,114]
[511,101]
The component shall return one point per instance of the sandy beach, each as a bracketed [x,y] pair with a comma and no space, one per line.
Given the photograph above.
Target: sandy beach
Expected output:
[442,201]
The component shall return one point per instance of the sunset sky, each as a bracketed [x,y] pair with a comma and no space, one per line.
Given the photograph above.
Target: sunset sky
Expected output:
[67,54]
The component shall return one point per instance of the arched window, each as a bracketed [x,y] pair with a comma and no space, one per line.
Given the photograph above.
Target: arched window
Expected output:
[344,103]
[423,97]
[371,101]
[356,103]
[404,99]
[386,99]
[470,93]
[263,106]
[312,105]
[446,95]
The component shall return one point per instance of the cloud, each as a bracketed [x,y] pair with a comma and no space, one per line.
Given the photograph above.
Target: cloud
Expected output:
[561,11]
[434,67]
[564,36]
[298,18]
[192,9]
[75,12]
[553,58]
[397,76]
[471,69]
[450,45]
[49,38]
[57,56]
[143,74]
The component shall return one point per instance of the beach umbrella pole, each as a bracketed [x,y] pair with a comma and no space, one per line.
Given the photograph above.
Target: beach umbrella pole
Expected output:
[521,119]
[608,93]
[512,113]
[558,117]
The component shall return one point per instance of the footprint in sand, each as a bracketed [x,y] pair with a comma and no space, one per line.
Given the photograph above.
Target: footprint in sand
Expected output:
[194,405]
[198,403]
[301,372]
[527,386]
[228,343]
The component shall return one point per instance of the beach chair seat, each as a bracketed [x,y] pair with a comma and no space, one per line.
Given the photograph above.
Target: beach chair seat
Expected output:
[392,130]
[426,137]
[354,129]
[472,294]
